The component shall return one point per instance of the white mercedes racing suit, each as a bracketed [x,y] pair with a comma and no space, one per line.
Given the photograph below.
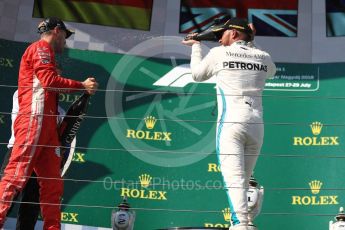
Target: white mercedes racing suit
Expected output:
[240,72]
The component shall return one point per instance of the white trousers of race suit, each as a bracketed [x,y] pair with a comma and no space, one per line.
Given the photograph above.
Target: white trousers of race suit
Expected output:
[238,148]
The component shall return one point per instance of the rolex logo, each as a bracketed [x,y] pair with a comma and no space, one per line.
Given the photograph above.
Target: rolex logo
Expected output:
[226,214]
[145,180]
[149,135]
[316,127]
[150,122]
[144,192]
[316,139]
[316,198]
[315,186]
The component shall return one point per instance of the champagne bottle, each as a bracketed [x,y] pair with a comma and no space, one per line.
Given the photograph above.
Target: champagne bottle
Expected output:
[69,128]
[213,33]
[73,118]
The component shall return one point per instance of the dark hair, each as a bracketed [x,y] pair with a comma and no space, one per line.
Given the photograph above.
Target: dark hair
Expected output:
[247,37]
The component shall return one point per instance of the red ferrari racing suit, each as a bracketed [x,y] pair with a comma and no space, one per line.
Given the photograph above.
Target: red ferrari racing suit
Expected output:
[35,129]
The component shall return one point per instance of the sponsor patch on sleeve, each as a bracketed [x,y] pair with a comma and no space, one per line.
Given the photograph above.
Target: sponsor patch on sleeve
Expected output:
[44,55]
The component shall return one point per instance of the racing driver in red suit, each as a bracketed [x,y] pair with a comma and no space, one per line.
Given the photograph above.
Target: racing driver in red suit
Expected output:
[35,128]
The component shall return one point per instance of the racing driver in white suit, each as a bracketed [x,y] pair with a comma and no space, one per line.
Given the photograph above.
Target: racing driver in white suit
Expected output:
[240,70]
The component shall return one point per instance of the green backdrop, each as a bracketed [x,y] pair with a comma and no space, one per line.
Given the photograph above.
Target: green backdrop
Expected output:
[169,170]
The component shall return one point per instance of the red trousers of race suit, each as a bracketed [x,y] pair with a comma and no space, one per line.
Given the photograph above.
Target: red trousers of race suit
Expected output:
[30,153]
[35,128]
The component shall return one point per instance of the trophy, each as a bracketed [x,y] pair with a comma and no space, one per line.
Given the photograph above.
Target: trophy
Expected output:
[340,221]
[123,218]
[255,195]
